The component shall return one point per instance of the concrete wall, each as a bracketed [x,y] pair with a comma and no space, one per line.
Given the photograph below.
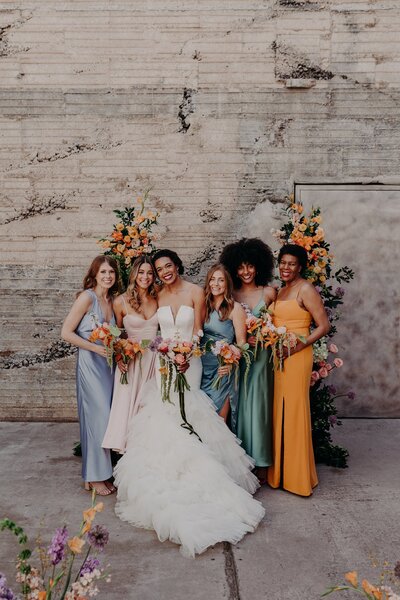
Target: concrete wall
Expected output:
[219,106]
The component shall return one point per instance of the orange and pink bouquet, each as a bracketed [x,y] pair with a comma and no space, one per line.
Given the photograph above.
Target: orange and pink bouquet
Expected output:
[229,354]
[108,335]
[126,350]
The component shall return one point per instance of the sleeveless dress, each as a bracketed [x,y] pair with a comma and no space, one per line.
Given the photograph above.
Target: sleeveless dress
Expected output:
[192,493]
[94,389]
[255,404]
[125,402]
[215,329]
[294,465]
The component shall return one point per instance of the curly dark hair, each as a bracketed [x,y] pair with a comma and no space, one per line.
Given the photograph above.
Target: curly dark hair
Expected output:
[252,251]
[295,250]
[169,254]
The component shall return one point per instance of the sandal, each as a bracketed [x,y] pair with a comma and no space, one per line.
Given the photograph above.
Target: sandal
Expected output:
[99,487]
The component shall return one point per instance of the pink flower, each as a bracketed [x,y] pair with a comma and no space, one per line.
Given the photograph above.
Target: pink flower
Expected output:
[323,372]
[314,377]
[179,359]
[328,366]
[163,347]
[338,363]
[333,348]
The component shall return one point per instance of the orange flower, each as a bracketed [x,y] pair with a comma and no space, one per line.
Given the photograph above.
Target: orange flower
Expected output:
[117,235]
[76,544]
[133,232]
[127,239]
[371,589]
[106,244]
[121,248]
[139,219]
[87,526]
[163,370]
[352,578]
[119,226]
[89,515]
[42,595]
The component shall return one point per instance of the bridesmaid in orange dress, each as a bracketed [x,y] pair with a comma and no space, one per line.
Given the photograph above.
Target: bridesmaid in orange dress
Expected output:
[297,305]
[136,312]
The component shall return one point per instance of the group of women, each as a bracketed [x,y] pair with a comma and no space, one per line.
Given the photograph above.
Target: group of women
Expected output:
[193,492]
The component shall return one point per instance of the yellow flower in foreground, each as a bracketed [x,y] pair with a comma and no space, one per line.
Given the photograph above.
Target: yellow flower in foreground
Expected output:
[119,226]
[163,370]
[352,578]
[76,544]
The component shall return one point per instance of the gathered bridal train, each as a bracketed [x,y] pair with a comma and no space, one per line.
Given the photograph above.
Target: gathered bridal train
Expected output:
[192,493]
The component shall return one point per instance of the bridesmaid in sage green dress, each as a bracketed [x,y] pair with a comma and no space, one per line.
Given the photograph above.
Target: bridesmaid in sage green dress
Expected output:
[225,321]
[250,263]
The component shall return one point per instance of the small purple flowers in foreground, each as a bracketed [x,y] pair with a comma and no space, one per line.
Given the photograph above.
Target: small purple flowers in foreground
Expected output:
[351,395]
[89,566]
[332,390]
[5,592]
[339,292]
[153,346]
[98,537]
[56,549]
[332,420]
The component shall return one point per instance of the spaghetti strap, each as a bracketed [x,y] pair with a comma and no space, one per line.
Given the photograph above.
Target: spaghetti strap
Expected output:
[125,304]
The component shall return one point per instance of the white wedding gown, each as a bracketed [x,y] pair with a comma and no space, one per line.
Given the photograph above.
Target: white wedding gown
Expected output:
[192,493]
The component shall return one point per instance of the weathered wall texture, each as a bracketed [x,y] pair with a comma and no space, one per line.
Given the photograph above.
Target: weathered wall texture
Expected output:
[219,106]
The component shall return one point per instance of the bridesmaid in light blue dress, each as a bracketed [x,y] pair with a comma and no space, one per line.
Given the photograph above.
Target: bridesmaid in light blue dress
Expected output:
[94,378]
[250,263]
[225,321]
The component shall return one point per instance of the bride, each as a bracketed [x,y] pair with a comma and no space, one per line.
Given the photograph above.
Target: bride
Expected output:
[190,492]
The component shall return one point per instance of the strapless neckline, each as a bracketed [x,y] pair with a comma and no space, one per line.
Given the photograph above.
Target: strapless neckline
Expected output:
[140,318]
[174,318]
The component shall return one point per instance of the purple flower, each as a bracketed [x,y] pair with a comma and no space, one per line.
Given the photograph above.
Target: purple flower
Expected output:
[89,566]
[318,288]
[5,592]
[98,537]
[339,292]
[397,569]
[332,420]
[329,312]
[332,390]
[351,395]
[56,549]
[153,346]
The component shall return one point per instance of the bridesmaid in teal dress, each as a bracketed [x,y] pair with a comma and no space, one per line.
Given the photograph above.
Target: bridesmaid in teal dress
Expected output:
[250,263]
[94,378]
[225,321]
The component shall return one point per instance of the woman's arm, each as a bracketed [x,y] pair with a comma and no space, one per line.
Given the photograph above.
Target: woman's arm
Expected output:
[238,316]
[312,301]
[199,305]
[74,317]
[270,295]
[119,311]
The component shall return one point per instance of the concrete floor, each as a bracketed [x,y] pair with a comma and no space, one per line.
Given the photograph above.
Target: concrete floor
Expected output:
[302,546]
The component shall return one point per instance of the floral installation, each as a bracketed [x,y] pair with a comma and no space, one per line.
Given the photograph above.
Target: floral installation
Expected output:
[57,577]
[126,350]
[367,589]
[174,355]
[307,231]
[108,335]
[229,354]
[132,235]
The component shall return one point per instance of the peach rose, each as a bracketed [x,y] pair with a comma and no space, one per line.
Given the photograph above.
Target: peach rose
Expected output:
[180,359]
[338,363]
[76,544]
[333,348]
[323,371]
[119,226]
[352,578]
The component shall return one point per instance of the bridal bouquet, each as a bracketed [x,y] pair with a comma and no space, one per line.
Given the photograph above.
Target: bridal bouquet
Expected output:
[108,335]
[127,350]
[175,355]
[57,577]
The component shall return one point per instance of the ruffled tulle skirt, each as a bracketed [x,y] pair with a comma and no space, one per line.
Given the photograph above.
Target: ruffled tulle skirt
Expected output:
[192,493]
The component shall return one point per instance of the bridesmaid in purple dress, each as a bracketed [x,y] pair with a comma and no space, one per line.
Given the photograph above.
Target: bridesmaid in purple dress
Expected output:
[136,312]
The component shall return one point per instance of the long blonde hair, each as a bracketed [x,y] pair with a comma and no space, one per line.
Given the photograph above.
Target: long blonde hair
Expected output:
[228,301]
[132,291]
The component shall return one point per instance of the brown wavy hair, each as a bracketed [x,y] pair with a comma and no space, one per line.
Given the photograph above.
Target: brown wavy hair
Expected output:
[89,281]
[228,301]
[132,292]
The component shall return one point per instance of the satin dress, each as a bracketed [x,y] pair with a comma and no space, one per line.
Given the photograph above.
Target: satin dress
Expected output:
[216,329]
[293,465]
[94,389]
[126,397]
[255,405]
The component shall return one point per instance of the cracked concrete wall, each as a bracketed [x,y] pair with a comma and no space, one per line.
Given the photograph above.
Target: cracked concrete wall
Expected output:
[218,106]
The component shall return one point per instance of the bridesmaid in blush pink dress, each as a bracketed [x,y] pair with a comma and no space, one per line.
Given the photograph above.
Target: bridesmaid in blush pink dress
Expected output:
[136,312]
